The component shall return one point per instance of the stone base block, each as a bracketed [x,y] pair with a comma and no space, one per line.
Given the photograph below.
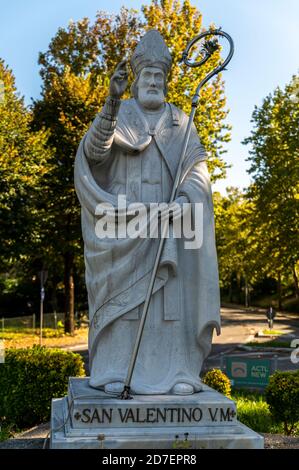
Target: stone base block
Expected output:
[87,418]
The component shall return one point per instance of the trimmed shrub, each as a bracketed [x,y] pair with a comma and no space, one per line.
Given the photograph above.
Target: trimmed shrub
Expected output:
[30,378]
[216,379]
[282,395]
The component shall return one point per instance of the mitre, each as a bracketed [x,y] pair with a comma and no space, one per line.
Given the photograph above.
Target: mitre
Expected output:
[151,51]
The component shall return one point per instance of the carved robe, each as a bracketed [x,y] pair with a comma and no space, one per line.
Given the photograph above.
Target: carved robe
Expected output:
[141,163]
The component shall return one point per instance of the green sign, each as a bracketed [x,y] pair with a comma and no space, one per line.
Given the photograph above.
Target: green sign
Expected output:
[250,372]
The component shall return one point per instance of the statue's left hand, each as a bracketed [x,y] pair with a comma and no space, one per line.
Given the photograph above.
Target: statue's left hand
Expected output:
[175,209]
[119,80]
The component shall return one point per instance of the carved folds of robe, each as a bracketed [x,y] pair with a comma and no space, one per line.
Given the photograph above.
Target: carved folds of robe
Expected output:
[141,163]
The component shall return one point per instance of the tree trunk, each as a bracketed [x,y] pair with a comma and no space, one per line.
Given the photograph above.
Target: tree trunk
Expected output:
[239,279]
[296,284]
[279,291]
[230,294]
[69,321]
[246,293]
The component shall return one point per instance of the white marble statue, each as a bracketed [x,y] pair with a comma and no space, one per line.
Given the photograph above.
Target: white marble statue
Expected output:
[132,148]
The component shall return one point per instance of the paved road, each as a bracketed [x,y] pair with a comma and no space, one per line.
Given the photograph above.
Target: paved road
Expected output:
[239,325]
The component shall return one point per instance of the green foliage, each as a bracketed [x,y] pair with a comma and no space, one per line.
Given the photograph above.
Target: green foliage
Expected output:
[54,332]
[75,70]
[81,57]
[217,380]
[6,432]
[179,22]
[291,305]
[236,242]
[24,162]
[257,230]
[30,378]
[282,395]
[274,159]
[253,411]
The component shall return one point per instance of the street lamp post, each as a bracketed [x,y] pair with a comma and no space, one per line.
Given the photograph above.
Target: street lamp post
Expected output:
[43,275]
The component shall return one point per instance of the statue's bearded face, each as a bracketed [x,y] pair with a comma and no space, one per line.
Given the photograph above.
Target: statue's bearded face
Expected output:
[151,86]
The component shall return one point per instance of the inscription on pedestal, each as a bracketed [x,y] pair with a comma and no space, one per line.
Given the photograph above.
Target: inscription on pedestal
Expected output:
[117,416]
[147,422]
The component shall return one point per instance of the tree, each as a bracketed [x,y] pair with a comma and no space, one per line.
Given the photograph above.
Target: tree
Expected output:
[24,163]
[236,242]
[75,71]
[179,23]
[75,84]
[275,172]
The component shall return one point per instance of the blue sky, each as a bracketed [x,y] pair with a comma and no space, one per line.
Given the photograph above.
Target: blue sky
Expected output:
[266,39]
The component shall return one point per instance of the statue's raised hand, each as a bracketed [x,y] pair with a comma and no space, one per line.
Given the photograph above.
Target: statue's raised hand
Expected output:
[119,80]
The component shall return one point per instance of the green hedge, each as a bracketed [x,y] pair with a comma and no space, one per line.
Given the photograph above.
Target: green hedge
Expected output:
[30,378]
[282,395]
[219,381]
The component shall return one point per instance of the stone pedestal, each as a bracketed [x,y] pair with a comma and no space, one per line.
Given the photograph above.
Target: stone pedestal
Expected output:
[88,418]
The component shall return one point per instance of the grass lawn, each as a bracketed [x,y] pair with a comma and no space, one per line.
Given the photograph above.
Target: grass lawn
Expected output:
[253,411]
[27,337]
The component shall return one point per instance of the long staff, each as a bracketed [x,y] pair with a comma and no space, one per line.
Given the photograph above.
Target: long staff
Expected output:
[208,49]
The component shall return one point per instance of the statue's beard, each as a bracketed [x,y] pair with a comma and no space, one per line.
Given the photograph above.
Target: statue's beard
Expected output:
[150,100]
